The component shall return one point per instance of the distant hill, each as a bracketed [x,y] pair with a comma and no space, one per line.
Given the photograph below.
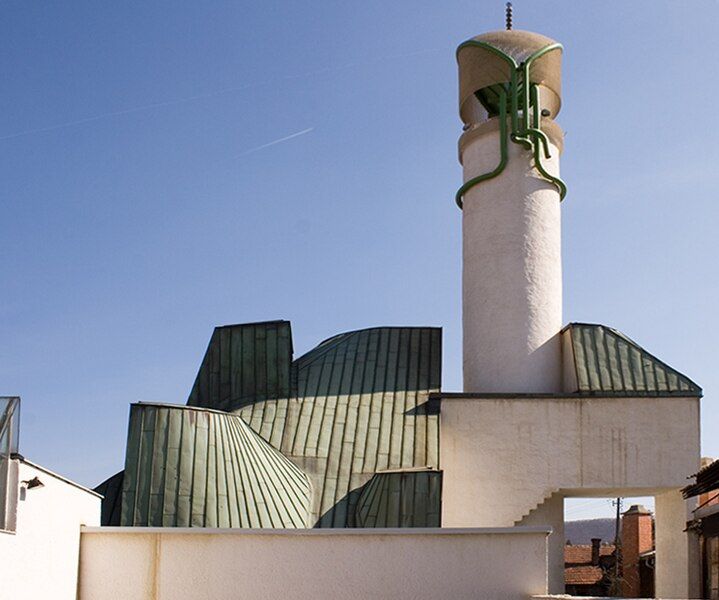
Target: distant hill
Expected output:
[582,532]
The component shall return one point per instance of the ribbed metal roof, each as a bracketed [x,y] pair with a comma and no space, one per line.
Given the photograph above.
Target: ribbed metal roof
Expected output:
[361,407]
[202,468]
[607,361]
[402,498]
[111,492]
[244,363]
[357,404]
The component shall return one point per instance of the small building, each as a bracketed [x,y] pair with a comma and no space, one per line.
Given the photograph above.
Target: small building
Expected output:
[706,523]
[41,514]
[588,568]
[592,570]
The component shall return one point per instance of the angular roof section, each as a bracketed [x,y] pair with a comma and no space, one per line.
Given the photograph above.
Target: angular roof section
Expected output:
[202,468]
[401,498]
[111,492]
[244,363]
[608,362]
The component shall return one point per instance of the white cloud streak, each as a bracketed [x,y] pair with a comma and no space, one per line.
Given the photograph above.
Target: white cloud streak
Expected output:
[277,141]
[212,94]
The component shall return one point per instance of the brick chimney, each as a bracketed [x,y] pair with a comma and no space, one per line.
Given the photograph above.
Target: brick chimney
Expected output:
[596,542]
[637,537]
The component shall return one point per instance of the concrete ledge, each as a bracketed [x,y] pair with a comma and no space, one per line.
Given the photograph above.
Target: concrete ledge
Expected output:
[370,531]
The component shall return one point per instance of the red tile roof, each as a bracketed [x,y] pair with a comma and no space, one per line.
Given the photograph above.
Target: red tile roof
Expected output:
[585,575]
[581,554]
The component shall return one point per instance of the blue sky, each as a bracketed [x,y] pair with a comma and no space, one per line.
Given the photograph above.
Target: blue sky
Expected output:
[165,168]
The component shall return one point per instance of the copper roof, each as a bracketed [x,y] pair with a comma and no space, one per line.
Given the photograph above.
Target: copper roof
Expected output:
[608,362]
[353,406]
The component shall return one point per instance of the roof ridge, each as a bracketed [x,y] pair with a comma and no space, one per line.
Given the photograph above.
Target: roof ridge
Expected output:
[333,340]
[253,323]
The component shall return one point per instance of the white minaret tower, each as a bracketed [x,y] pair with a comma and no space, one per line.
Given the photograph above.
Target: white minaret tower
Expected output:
[509,95]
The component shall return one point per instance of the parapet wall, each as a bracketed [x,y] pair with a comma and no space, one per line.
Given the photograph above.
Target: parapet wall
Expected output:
[417,564]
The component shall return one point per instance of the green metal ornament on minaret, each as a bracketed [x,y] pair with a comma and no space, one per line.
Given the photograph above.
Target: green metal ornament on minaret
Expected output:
[512,69]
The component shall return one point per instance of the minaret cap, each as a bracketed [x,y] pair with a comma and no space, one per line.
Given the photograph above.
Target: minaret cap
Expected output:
[490,58]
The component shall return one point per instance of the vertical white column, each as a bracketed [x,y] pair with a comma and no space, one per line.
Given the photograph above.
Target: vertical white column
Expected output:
[512,271]
[675,577]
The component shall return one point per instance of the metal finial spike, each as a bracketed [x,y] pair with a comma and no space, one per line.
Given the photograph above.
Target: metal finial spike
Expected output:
[509,16]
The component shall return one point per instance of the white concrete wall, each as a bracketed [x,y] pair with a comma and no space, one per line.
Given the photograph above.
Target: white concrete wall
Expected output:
[511,271]
[178,564]
[40,558]
[502,457]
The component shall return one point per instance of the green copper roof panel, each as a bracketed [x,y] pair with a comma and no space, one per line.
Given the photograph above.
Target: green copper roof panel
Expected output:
[361,406]
[244,363]
[404,498]
[354,405]
[606,361]
[188,467]
[111,491]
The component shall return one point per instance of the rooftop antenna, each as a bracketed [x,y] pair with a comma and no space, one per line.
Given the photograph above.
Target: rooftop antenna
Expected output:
[508,13]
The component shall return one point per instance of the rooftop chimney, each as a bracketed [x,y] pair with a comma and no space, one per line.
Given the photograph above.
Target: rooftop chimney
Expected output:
[596,543]
[637,538]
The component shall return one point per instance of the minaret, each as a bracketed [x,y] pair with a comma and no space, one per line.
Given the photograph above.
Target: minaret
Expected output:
[509,95]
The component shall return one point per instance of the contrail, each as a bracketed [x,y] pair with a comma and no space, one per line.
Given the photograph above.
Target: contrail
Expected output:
[277,141]
[127,111]
[144,107]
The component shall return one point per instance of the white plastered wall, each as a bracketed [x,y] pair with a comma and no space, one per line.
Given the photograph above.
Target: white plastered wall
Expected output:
[504,456]
[551,513]
[39,559]
[343,564]
[511,271]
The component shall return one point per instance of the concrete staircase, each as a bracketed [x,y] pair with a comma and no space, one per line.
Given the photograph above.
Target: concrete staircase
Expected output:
[532,509]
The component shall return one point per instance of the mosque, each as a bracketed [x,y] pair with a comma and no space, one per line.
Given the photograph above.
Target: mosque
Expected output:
[358,434]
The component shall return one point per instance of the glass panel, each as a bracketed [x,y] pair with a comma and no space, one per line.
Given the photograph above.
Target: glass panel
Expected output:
[9,427]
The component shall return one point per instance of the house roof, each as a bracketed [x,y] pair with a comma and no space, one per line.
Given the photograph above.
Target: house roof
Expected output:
[585,575]
[706,480]
[608,362]
[581,554]
[578,567]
